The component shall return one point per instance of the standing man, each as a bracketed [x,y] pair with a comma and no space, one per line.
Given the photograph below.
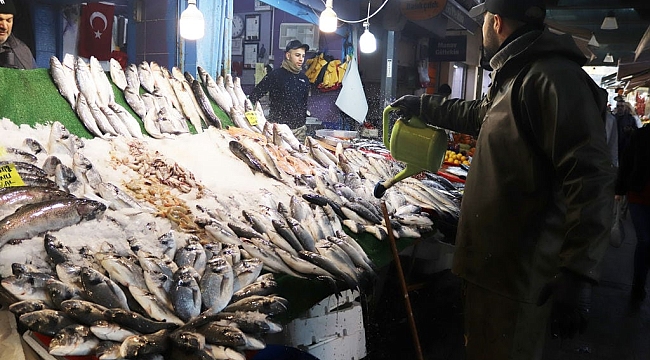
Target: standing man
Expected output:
[537,209]
[288,88]
[13,52]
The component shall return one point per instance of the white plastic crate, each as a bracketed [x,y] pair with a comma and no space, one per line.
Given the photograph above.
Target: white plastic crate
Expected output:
[333,329]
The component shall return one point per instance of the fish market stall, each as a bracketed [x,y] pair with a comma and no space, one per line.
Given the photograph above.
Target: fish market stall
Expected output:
[161,236]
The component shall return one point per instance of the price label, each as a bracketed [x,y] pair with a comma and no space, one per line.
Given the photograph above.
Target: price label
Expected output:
[9,176]
[251,116]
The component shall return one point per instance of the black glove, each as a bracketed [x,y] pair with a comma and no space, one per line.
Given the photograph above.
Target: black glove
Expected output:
[409,105]
[571,303]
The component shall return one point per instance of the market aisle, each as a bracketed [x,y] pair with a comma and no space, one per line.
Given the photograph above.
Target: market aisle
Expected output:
[616,331]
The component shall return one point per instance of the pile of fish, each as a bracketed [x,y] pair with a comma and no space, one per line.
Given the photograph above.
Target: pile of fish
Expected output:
[163,100]
[205,301]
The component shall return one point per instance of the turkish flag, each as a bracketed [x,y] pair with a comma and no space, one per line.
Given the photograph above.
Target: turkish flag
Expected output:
[96,30]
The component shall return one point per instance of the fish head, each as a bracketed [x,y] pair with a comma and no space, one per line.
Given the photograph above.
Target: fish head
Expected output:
[90,209]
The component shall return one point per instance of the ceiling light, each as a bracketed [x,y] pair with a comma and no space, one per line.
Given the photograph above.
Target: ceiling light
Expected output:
[327,21]
[367,41]
[608,58]
[609,23]
[593,41]
[191,24]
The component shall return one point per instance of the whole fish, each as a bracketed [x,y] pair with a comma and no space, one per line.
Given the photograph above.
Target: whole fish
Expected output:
[188,340]
[246,271]
[131,123]
[23,195]
[132,77]
[64,83]
[84,312]
[65,178]
[104,87]
[120,199]
[47,322]
[102,290]
[285,231]
[230,90]
[133,98]
[230,336]
[185,294]
[105,330]
[154,308]
[192,255]
[58,291]
[26,306]
[101,121]
[263,155]
[265,251]
[331,267]
[85,81]
[216,284]
[31,220]
[121,269]
[74,340]
[184,95]
[116,121]
[117,74]
[25,168]
[252,322]
[159,284]
[302,266]
[14,154]
[137,346]
[204,105]
[262,286]
[69,273]
[145,75]
[137,322]
[108,350]
[239,118]
[218,93]
[269,305]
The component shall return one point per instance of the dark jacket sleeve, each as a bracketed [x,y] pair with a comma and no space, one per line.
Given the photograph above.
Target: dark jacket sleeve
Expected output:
[453,114]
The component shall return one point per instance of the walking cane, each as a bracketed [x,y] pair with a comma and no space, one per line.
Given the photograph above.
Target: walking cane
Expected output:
[402,280]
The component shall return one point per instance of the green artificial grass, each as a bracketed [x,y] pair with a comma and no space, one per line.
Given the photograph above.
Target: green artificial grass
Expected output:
[31,97]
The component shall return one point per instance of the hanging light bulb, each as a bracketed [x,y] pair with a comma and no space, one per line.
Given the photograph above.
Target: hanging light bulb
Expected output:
[609,23]
[328,20]
[367,41]
[192,25]
[608,58]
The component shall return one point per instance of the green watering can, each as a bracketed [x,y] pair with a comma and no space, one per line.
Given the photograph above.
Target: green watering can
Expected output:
[418,145]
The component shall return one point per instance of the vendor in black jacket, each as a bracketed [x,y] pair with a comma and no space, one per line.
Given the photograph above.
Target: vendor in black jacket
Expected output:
[13,52]
[288,88]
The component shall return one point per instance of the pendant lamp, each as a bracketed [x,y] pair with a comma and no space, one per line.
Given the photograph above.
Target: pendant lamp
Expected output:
[192,24]
[328,20]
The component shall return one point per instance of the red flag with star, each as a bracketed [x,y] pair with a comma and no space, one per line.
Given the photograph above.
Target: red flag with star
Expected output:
[96,30]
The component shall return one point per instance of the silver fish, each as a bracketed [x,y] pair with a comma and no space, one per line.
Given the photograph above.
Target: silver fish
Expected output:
[137,322]
[85,81]
[23,195]
[192,255]
[141,345]
[251,322]
[31,220]
[47,322]
[102,290]
[270,304]
[145,75]
[101,121]
[246,271]
[64,83]
[185,294]
[119,199]
[74,340]
[108,350]
[116,121]
[84,312]
[204,105]
[121,269]
[26,306]
[133,98]
[117,74]
[24,288]
[132,77]
[184,95]
[159,284]
[104,87]
[58,291]
[264,285]
[105,330]
[188,340]
[131,123]
[217,285]
[302,266]
[154,308]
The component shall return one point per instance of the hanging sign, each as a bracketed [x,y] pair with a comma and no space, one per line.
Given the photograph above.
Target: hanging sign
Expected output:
[422,9]
[450,48]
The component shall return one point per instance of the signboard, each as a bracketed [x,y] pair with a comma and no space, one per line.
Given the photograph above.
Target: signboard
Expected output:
[422,9]
[450,48]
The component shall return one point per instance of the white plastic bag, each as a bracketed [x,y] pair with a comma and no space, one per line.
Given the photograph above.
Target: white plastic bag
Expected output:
[617,235]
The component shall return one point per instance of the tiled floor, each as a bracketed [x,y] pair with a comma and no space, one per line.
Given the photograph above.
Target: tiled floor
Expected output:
[616,330]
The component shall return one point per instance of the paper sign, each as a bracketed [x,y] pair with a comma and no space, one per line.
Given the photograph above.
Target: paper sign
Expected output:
[9,176]
[251,116]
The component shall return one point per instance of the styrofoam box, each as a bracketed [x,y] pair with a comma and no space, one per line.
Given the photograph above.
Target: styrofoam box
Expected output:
[331,330]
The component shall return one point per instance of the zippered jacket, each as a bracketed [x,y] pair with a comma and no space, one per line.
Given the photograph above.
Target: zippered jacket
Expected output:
[539,193]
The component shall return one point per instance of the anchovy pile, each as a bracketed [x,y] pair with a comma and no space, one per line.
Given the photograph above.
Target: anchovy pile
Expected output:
[200,300]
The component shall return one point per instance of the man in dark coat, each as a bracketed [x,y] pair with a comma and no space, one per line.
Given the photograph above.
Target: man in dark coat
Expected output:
[288,88]
[537,208]
[13,52]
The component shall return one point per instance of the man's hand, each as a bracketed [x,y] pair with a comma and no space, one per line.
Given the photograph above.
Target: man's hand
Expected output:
[409,105]
[571,304]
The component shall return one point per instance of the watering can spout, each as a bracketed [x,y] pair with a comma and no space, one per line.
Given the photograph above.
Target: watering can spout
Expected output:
[420,146]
